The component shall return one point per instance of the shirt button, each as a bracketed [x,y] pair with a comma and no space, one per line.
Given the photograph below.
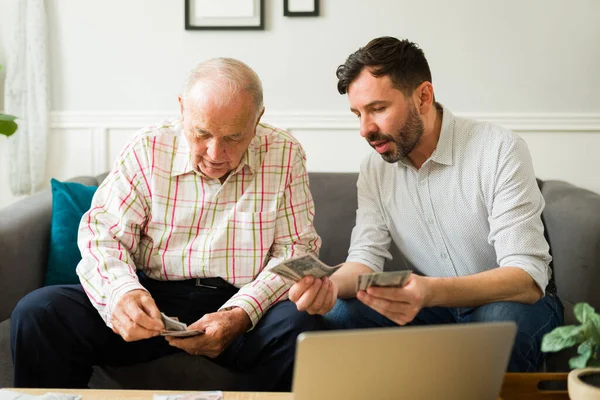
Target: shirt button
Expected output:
[423,182]
[430,220]
[443,255]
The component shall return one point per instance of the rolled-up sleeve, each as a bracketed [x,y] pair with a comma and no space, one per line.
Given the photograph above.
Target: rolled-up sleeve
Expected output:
[516,228]
[109,234]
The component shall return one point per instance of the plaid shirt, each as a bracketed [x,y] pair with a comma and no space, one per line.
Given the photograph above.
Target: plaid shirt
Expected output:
[155,213]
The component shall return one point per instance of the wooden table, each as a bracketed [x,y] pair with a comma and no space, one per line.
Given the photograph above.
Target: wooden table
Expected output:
[93,394]
[525,386]
[515,387]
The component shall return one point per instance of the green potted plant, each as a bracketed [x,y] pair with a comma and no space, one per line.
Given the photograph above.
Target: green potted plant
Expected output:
[584,379]
[8,126]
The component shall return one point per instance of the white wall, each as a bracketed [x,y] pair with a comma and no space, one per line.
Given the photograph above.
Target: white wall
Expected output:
[531,65]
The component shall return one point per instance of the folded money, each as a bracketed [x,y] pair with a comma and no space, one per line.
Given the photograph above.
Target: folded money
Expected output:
[191,332]
[175,328]
[172,323]
[382,279]
[307,265]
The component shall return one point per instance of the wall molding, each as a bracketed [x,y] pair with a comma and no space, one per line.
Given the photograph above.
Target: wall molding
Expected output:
[520,122]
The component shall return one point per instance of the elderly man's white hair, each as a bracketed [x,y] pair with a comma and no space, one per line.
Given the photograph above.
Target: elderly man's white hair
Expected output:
[232,73]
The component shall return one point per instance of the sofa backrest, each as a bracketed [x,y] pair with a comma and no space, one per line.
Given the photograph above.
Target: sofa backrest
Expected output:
[571,218]
[336,203]
[572,221]
[335,212]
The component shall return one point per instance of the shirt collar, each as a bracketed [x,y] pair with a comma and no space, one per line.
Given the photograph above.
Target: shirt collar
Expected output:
[444,150]
[182,164]
[251,158]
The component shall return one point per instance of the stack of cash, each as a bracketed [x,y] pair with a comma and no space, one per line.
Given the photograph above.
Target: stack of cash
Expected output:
[382,279]
[309,265]
[306,265]
[175,328]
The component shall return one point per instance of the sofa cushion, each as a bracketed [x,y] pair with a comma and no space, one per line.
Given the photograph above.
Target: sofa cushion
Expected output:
[70,200]
[6,366]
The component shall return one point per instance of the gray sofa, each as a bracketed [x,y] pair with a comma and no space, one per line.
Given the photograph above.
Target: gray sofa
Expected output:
[572,219]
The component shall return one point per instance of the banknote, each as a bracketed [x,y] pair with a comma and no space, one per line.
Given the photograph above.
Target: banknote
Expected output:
[383,279]
[306,265]
[12,395]
[175,328]
[172,323]
[183,334]
[210,395]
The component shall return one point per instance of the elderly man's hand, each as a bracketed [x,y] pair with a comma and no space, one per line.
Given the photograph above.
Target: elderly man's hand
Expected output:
[314,295]
[220,329]
[136,316]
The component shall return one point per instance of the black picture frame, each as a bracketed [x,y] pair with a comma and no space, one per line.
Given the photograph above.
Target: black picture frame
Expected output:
[192,22]
[288,13]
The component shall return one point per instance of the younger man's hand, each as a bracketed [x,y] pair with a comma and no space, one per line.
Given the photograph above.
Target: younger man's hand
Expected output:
[314,295]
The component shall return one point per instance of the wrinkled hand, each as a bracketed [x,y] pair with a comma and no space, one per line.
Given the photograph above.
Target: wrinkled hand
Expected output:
[136,316]
[314,295]
[220,329]
[401,305]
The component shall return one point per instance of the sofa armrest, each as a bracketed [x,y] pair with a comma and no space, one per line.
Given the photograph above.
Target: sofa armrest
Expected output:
[572,218]
[24,238]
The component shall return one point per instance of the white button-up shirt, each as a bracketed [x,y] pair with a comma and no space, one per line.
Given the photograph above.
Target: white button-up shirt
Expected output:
[474,205]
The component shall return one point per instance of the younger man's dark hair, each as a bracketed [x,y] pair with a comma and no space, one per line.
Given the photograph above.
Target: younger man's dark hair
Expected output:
[402,60]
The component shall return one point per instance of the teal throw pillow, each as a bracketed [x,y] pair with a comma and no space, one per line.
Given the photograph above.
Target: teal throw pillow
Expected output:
[70,200]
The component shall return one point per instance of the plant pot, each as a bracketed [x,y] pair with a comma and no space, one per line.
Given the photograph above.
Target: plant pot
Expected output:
[584,384]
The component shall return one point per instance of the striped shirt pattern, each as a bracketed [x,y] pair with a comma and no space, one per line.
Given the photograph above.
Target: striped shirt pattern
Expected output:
[474,205]
[156,214]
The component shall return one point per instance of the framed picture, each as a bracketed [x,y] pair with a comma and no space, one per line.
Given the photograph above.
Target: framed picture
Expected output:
[224,14]
[301,8]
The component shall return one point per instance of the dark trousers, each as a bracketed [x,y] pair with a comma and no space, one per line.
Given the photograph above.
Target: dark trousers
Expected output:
[57,336]
[533,321]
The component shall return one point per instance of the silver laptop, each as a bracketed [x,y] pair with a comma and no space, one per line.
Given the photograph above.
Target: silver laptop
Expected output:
[457,361]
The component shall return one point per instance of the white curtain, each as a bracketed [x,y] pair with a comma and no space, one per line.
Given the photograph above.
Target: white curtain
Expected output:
[26,94]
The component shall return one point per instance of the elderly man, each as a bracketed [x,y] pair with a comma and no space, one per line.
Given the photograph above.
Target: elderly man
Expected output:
[458,197]
[189,221]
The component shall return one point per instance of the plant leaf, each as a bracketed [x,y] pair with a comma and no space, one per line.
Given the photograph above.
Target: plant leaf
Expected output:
[593,328]
[585,348]
[562,337]
[579,361]
[585,352]
[583,311]
[593,363]
[7,128]
[6,117]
